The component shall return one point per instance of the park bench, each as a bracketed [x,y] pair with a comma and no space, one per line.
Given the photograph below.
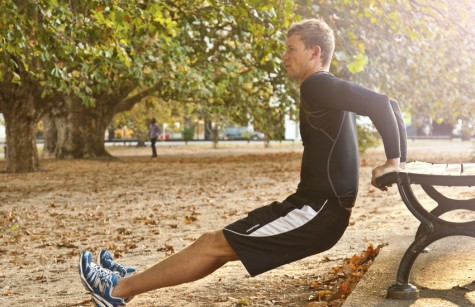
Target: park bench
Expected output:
[432,227]
[124,141]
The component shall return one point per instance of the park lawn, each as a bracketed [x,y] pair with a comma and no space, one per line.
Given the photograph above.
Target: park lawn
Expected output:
[145,209]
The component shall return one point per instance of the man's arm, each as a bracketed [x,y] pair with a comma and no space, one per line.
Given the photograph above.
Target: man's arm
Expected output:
[402,129]
[338,94]
[393,165]
[383,112]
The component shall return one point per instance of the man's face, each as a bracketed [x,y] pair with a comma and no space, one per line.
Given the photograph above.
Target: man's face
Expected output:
[300,62]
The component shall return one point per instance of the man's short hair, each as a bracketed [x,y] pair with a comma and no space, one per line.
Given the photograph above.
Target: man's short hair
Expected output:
[315,32]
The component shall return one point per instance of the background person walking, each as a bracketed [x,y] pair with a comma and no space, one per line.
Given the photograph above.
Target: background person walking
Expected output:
[153,133]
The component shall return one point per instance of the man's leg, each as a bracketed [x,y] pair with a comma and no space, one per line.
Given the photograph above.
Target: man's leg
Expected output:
[204,256]
[154,149]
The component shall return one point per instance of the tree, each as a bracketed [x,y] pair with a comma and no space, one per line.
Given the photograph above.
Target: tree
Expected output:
[21,152]
[27,39]
[83,62]
[228,67]
[99,58]
[418,52]
[130,35]
[238,69]
[431,69]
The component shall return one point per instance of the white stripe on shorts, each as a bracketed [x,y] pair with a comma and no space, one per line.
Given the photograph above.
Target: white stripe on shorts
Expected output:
[293,220]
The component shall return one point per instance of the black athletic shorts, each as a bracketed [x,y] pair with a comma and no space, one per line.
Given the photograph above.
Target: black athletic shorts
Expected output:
[281,233]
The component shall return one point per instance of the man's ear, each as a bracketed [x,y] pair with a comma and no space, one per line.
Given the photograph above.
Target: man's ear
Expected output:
[317,51]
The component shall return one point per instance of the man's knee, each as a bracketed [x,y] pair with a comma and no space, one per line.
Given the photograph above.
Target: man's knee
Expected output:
[216,245]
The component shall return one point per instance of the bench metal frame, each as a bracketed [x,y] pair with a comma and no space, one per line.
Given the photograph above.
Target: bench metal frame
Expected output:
[432,228]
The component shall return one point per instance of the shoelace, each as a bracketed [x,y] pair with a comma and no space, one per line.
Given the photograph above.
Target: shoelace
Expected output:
[118,267]
[101,279]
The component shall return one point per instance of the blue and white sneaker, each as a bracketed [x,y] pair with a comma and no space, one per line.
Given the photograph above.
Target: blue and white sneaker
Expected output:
[106,260]
[99,282]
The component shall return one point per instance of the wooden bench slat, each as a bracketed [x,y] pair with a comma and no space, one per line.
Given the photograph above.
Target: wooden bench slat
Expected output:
[438,169]
[453,169]
[417,167]
[468,169]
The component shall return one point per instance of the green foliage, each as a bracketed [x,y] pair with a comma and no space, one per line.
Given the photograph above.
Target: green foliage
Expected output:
[235,65]
[418,52]
[82,48]
[222,59]
[367,138]
[227,65]
[188,133]
[358,64]
[140,115]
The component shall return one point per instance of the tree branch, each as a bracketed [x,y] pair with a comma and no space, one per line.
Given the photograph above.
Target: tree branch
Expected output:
[415,3]
[128,103]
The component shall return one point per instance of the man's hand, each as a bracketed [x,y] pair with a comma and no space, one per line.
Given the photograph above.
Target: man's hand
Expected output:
[391,165]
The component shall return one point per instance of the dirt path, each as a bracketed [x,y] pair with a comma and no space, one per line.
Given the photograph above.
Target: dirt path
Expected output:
[144,209]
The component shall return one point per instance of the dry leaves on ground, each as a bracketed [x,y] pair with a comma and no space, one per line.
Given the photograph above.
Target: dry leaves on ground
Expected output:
[333,289]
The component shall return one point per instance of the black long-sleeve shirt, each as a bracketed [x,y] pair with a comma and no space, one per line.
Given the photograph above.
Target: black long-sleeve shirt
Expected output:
[330,163]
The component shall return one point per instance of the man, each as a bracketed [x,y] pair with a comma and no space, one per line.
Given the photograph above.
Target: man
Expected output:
[153,133]
[311,220]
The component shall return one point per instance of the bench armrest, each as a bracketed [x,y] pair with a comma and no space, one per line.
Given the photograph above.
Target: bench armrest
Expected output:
[387,179]
[432,174]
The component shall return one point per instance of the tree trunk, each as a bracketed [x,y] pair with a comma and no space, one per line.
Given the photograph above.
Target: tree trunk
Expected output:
[266,142]
[208,130]
[20,125]
[50,135]
[215,135]
[81,131]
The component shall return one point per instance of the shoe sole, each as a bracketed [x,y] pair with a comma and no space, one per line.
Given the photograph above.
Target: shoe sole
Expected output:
[83,278]
[99,301]
[96,302]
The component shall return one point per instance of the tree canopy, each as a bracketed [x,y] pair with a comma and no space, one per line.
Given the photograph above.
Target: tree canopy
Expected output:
[108,55]
[82,62]
[419,52]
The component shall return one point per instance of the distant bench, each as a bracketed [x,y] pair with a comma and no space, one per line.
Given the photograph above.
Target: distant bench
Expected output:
[125,141]
[431,137]
[432,228]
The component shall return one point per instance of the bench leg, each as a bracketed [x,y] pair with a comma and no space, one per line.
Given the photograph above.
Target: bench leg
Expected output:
[402,289]
[423,230]
[403,292]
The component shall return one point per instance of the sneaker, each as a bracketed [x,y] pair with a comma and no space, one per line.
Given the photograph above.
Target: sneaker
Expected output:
[99,282]
[106,260]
